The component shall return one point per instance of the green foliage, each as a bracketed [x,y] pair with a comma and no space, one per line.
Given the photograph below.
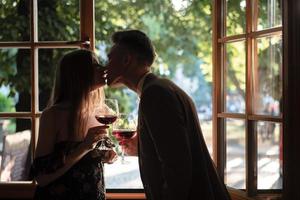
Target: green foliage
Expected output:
[236,17]
[182,37]
[6,104]
[174,34]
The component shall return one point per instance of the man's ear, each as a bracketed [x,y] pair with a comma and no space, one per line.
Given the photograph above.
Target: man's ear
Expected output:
[127,59]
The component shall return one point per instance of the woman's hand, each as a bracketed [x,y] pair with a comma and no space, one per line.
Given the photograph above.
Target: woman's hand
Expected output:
[93,136]
[100,77]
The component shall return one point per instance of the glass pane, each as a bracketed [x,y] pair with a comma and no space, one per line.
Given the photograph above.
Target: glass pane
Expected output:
[58,20]
[235,17]
[15,157]
[48,62]
[269,164]
[267,76]
[15,80]
[269,14]
[123,176]
[235,172]
[183,58]
[14,20]
[235,75]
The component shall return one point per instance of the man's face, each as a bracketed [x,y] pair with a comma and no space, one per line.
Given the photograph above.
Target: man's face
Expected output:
[117,65]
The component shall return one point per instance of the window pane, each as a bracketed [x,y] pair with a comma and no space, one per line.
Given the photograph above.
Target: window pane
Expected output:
[183,58]
[235,17]
[267,76]
[123,176]
[235,73]
[58,20]
[235,172]
[48,62]
[269,157]
[15,80]
[269,14]
[15,157]
[14,20]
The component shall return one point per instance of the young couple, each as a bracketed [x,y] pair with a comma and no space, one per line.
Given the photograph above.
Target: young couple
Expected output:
[173,158]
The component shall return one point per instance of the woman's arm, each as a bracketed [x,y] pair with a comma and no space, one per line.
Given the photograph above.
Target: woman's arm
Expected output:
[46,144]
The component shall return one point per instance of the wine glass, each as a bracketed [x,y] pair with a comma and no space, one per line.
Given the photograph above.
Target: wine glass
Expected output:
[106,114]
[124,128]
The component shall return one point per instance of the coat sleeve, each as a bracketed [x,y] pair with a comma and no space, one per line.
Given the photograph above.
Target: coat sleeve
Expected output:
[164,118]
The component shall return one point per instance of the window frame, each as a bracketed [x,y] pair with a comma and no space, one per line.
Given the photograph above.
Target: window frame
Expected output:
[219,114]
[87,39]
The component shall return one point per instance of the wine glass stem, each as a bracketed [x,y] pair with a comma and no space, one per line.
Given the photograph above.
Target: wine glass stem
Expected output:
[123,154]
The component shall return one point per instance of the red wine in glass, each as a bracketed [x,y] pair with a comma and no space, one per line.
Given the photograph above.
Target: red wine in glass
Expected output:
[125,134]
[106,119]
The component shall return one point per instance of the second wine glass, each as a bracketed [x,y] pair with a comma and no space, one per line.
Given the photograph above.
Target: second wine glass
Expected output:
[106,114]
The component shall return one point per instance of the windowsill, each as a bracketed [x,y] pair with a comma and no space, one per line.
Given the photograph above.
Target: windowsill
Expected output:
[125,196]
[24,190]
[241,195]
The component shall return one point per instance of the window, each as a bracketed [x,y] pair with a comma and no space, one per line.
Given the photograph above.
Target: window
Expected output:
[248,94]
[243,125]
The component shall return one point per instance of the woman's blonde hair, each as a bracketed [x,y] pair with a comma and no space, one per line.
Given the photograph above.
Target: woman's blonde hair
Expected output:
[74,82]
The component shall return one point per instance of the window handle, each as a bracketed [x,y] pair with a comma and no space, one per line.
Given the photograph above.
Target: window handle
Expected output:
[82,43]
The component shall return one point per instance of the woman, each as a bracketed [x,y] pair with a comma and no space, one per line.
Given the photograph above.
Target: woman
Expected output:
[67,164]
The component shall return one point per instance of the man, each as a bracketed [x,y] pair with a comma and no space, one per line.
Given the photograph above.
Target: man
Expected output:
[174,161]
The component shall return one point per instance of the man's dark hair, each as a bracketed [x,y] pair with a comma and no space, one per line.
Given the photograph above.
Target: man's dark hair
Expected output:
[137,42]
